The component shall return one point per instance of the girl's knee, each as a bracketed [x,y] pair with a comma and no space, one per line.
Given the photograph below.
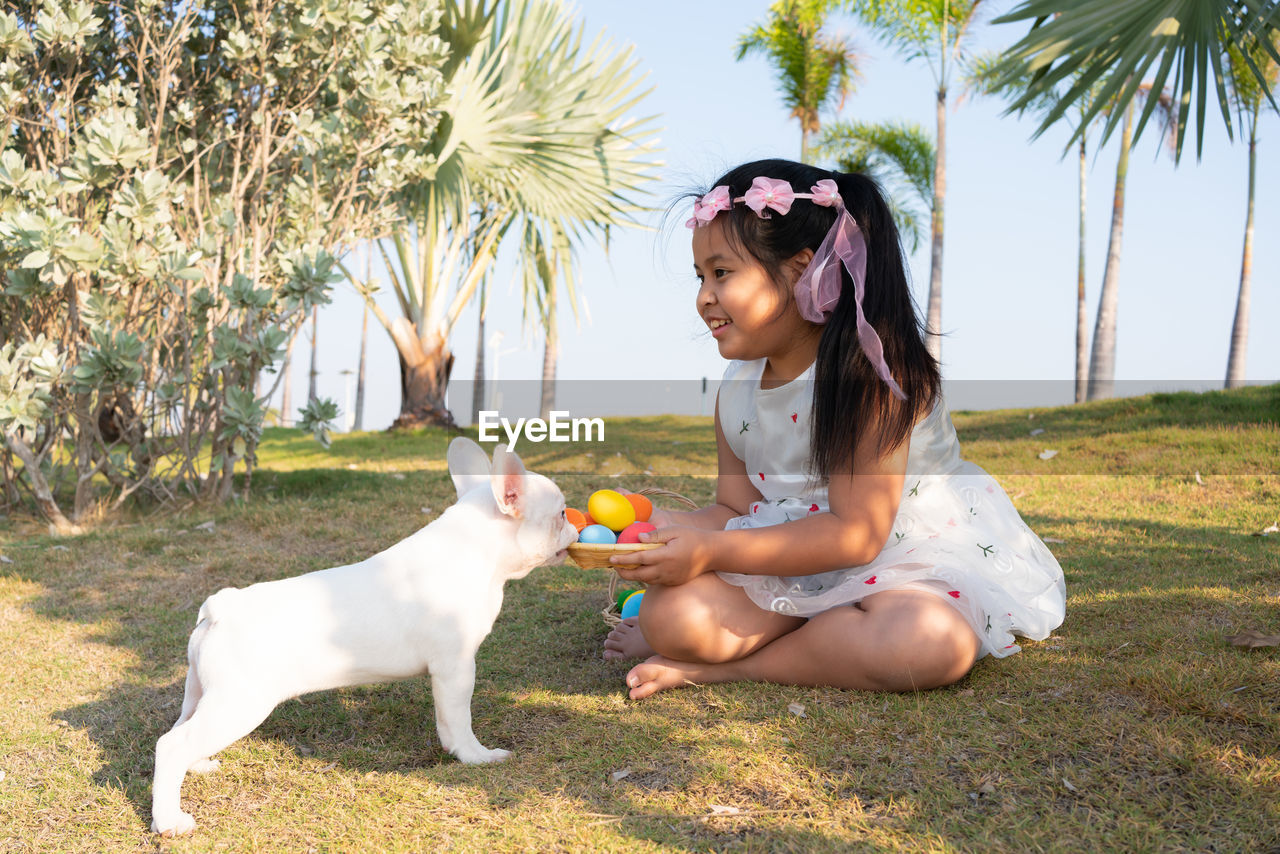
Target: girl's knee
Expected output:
[679,623]
[932,646]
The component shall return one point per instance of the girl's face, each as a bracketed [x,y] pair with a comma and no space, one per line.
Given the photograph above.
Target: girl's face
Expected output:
[750,315]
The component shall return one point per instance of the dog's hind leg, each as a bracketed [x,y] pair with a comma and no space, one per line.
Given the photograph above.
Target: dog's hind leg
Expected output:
[452,684]
[193,692]
[218,721]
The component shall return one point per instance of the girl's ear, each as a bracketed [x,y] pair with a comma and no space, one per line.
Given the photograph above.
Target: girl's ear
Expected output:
[796,264]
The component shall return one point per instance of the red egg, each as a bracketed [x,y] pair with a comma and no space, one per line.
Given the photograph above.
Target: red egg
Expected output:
[631,533]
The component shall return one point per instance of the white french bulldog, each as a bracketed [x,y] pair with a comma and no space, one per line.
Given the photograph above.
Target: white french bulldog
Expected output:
[422,606]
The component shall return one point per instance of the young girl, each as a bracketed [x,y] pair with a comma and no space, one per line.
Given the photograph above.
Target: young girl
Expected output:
[849,544]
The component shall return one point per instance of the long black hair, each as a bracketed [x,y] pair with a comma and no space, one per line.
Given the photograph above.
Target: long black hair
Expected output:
[848,396]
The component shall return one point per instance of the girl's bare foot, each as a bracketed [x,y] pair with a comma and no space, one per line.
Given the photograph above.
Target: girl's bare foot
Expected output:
[626,641]
[658,674]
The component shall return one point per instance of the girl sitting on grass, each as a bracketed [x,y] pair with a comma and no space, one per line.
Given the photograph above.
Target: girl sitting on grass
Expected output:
[849,544]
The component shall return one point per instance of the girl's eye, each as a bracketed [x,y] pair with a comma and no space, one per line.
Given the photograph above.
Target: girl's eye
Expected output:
[720,272]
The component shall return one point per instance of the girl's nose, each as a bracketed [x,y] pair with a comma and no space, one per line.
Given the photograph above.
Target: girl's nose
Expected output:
[706,295]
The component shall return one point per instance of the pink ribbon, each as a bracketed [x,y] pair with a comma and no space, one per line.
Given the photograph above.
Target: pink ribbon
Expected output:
[818,288]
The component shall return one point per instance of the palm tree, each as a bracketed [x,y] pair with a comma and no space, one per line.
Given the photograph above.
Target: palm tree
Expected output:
[898,155]
[535,129]
[986,77]
[1102,356]
[1247,93]
[933,32]
[1112,45]
[813,67]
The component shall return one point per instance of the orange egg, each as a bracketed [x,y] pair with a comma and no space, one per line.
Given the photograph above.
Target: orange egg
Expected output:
[642,505]
[576,517]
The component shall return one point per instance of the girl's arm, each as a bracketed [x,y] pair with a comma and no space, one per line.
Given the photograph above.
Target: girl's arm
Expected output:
[863,504]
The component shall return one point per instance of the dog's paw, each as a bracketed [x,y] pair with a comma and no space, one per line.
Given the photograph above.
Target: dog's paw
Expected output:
[204,766]
[183,824]
[483,756]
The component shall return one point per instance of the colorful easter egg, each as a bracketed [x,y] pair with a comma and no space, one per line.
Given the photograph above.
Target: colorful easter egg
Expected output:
[597,534]
[622,597]
[643,506]
[576,518]
[631,533]
[631,606]
[611,509]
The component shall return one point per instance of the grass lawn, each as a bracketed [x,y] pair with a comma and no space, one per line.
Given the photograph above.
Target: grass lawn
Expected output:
[1135,727]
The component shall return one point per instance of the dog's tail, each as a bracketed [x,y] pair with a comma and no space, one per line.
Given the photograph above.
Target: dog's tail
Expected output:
[215,607]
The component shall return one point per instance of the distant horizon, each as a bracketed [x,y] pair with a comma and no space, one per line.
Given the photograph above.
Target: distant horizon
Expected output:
[643,398]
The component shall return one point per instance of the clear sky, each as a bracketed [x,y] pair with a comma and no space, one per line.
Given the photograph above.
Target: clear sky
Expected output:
[1009,281]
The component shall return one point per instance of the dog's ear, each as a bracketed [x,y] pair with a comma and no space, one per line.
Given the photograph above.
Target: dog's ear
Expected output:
[468,465]
[508,480]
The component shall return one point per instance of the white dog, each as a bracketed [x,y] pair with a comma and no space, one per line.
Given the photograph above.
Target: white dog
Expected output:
[422,606]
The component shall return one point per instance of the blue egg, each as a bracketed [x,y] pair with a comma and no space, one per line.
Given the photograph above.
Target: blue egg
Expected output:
[598,534]
[631,607]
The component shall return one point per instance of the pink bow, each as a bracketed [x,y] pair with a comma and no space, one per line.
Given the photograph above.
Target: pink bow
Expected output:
[818,288]
[768,193]
[826,193]
[706,208]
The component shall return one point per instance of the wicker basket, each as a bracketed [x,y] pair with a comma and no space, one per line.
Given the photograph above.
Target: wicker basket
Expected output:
[596,555]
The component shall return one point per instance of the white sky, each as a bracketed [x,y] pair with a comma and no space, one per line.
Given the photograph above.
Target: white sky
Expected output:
[1010,258]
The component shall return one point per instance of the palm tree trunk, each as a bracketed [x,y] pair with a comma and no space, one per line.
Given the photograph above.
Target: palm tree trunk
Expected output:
[424,377]
[1102,362]
[358,424]
[1082,321]
[477,386]
[286,379]
[549,357]
[933,328]
[1240,326]
[315,336]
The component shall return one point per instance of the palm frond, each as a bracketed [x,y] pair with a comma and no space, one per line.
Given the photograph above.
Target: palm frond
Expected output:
[1082,44]
[898,155]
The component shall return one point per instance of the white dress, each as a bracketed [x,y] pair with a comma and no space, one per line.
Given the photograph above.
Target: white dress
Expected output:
[956,534]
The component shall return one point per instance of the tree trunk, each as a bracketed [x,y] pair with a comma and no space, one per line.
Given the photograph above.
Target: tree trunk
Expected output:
[549,357]
[358,424]
[59,525]
[286,380]
[1082,314]
[315,346]
[933,327]
[1240,326]
[1102,362]
[477,386]
[424,377]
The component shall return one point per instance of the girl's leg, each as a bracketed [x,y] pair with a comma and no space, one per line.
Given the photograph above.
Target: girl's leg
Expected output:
[705,620]
[899,640]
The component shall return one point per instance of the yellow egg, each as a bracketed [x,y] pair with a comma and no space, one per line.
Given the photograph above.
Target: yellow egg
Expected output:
[611,509]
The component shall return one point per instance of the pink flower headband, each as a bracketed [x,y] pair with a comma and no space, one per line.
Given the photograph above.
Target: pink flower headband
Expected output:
[818,288]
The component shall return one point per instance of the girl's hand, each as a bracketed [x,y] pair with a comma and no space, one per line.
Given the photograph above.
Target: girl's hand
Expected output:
[685,555]
[661,519]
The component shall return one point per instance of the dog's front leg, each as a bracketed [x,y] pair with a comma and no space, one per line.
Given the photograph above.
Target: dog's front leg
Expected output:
[452,683]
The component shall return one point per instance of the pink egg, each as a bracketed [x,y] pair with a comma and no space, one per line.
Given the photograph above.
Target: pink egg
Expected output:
[631,533]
